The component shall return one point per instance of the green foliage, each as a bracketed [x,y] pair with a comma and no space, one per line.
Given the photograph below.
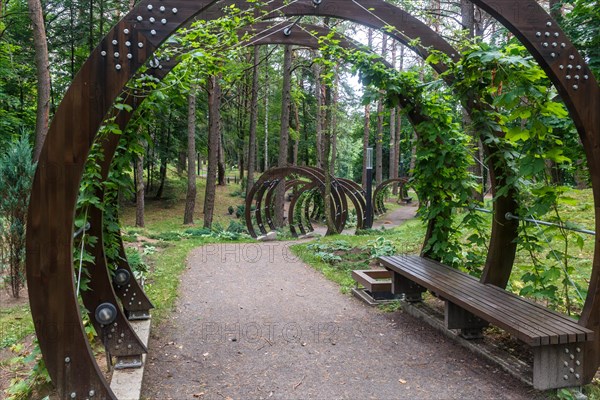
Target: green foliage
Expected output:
[16,175]
[37,376]
[381,247]
[514,109]
[136,262]
[441,177]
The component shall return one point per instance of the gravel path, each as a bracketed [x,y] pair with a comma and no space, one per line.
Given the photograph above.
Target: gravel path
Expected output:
[252,322]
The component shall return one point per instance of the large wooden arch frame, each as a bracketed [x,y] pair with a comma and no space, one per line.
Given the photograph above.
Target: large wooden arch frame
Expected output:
[101,80]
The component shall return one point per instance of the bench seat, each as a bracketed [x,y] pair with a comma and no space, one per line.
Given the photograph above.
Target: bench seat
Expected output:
[557,340]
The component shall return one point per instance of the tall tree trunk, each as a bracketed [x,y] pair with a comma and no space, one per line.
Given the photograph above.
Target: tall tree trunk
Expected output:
[42,66]
[190,198]
[467,11]
[367,125]
[139,192]
[318,115]
[297,136]
[334,108]
[327,136]
[284,133]
[221,170]
[253,121]
[398,134]
[380,112]
[181,162]
[379,144]
[267,94]
[214,105]
[393,166]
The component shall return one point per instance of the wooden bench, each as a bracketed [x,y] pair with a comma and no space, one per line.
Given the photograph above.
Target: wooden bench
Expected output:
[558,342]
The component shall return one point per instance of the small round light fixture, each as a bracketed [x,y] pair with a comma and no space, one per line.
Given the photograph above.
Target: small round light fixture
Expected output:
[121,277]
[106,313]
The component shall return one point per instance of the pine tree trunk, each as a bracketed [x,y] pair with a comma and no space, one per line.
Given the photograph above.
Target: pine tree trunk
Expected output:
[327,130]
[190,199]
[333,117]
[214,105]
[318,115]
[221,164]
[367,125]
[139,192]
[397,152]
[181,162]
[253,121]
[366,138]
[297,138]
[393,166]
[379,140]
[284,133]
[164,159]
[267,94]
[42,66]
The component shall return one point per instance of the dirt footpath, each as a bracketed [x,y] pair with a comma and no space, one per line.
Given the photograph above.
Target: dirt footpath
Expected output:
[252,322]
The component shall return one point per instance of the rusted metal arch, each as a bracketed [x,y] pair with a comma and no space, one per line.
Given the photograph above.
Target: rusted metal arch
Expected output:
[358,193]
[265,182]
[354,192]
[300,189]
[95,88]
[378,206]
[340,206]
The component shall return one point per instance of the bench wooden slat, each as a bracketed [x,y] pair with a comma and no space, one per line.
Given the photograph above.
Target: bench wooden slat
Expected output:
[528,321]
[537,313]
[464,297]
[514,305]
[559,330]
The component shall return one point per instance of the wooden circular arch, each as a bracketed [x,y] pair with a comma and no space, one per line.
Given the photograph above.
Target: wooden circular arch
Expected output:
[101,80]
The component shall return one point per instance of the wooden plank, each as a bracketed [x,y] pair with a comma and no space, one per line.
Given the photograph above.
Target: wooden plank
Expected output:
[571,327]
[460,291]
[566,322]
[572,324]
[536,322]
[523,333]
[530,322]
[560,322]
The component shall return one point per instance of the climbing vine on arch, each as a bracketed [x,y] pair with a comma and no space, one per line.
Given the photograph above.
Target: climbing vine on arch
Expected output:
[516,111]
[441,176]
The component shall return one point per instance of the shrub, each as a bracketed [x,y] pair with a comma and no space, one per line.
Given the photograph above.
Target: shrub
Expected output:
[16,174]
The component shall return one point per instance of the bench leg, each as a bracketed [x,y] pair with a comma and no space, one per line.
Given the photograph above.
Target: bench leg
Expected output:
[404,286]
[458,318]
[558,366]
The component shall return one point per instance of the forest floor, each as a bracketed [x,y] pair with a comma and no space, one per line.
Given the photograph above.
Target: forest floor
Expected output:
[253,321]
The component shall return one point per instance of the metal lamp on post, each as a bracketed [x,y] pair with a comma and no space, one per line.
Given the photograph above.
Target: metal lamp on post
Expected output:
[369,216]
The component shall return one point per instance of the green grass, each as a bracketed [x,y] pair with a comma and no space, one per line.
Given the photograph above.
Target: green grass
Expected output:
[407,239]
[15,324]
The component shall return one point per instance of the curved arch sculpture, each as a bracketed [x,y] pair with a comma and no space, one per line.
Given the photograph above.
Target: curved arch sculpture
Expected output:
[103,77]
[271,178]
[378,203]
